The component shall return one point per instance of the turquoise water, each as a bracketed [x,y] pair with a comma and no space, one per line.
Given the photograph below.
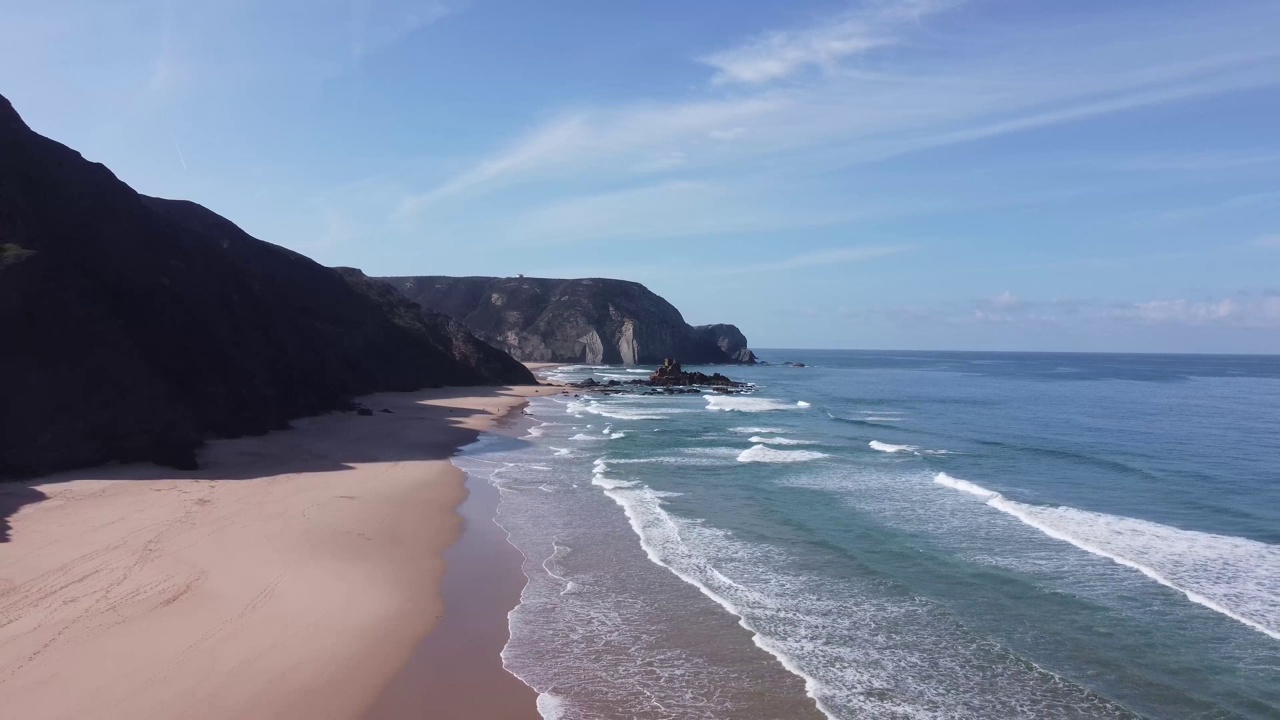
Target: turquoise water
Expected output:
[902,535]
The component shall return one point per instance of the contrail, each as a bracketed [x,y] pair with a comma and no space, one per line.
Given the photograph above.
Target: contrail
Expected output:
[179,149]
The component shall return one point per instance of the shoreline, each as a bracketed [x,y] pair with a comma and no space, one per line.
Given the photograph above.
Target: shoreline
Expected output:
[295,575]
[457,670]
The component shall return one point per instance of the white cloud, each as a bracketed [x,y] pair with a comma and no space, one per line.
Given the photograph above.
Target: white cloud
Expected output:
[1268,241]
[780,54]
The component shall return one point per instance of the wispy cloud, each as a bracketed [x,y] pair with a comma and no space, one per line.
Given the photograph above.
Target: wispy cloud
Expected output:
[1197,162]
[1005,301]
[1243,311]
[978,88]
[377,25]
[780,54]
[820,258]
[1269,241]
[1233,203]
[600,139]
[667,209]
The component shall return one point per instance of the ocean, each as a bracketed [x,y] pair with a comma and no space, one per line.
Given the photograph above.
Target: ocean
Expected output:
[902,535]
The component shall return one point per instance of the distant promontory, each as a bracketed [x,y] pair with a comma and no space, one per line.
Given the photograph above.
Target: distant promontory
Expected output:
[587,320]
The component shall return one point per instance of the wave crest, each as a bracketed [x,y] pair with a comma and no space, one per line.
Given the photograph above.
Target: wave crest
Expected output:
[889,448]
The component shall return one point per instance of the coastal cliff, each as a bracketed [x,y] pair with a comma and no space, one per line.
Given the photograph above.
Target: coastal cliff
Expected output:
[589,320]
[133,327]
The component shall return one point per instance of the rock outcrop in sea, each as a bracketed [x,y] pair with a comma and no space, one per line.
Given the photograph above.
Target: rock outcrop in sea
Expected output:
[671,378]
[132,327]
[587,320]
[670,374]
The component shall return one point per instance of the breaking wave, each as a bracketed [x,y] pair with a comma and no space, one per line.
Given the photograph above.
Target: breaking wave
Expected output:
[732,403]
[766,454]
[1237,577]
[887,448]
[779,441]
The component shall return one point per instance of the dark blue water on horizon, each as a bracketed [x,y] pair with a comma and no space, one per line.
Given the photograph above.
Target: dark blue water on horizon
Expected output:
[904,535]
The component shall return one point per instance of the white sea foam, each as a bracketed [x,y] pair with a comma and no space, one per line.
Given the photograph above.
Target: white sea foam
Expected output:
[887,448]
[538,431]
[766,454]
[675,459]
[779,441]
[965,486]
[550,707]
[598,478]
[559,451]
[1237,577]
[615,436]
[852,648]
[756,430]
[712,451]
[584,436]
[611,483]
[618,411]
[802,404]
[881,418]
[738,403]
[660,538]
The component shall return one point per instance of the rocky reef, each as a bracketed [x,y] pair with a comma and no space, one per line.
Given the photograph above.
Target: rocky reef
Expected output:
[669,378]
[588,320]
[132,327]
[670,374]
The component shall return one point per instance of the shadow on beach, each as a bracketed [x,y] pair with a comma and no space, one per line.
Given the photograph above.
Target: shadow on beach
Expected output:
[419,426]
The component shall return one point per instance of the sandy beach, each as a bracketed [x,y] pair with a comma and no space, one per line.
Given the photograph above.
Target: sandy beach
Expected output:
[296,575]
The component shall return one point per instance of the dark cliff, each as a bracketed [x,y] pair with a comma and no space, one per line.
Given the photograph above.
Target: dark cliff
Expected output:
[589,320]
[132,327]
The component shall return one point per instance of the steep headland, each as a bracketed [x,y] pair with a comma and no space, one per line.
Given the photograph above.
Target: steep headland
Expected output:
[133,327]
[591,320]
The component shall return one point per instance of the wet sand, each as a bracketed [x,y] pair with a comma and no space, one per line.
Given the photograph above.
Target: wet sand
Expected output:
[456,671]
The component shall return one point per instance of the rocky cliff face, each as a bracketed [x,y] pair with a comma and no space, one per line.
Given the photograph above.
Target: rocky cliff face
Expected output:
[729,339]
[590,320]
[132,327]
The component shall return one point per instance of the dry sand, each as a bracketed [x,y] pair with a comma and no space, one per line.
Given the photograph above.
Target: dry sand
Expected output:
[293,576]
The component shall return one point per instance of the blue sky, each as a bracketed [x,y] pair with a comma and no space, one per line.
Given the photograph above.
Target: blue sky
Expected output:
[989,174]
